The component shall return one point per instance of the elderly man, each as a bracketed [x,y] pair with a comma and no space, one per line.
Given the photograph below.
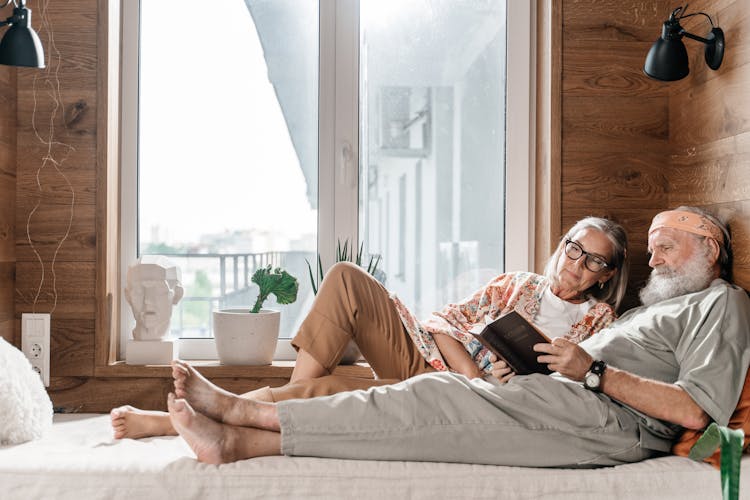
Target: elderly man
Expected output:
[620,396]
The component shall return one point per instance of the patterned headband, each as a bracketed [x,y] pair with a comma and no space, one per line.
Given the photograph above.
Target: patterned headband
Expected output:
[687,221]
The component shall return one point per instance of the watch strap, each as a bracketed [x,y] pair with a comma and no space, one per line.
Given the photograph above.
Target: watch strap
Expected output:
[598,367]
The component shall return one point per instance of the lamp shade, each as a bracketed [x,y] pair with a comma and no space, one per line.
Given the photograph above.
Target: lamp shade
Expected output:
[20,45]
[667,60]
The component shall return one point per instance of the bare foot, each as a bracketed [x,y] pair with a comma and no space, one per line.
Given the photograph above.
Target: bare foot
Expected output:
[218,404]
[203,435]
[204,396]
[134,423]
[216,443]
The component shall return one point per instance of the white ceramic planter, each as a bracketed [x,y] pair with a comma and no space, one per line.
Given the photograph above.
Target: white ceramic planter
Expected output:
[244,338]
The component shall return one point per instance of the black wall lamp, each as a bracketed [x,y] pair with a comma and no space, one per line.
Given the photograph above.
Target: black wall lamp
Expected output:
[668,60]
[20,45]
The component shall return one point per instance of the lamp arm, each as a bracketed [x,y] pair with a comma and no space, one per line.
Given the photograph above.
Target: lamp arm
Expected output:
[707,41]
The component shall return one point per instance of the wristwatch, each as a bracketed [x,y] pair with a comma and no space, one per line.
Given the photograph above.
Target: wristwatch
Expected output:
[593,379]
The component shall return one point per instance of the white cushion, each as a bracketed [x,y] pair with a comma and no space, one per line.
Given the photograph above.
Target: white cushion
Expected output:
[25,407]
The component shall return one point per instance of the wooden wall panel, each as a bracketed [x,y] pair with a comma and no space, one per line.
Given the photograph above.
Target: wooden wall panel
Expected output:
[714,172]
[7,201]
[55,209]
[613,20]
[615,124]
[712,110]
[610,68]
[66,287]
[606,179]
[615,121]
[710,129]
[99,395]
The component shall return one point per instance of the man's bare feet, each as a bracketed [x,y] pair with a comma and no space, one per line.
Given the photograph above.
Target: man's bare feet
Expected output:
[204,396]
[134,423]
[216,443]
[218,404]
[205,436]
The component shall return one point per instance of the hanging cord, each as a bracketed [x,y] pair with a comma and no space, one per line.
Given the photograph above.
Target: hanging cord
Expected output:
[52,81]
[675,14]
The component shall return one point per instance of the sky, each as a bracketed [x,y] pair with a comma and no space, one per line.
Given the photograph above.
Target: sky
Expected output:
[215,153]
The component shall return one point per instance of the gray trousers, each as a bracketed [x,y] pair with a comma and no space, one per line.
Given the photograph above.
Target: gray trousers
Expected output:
[533,420]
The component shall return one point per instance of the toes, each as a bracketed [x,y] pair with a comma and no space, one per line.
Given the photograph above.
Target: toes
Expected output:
[175,404]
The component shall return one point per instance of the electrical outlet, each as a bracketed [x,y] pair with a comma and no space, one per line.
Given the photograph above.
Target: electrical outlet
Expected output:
[35,342]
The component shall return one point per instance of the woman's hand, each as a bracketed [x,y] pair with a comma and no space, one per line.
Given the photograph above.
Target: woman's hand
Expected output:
[500,370]
[565,357]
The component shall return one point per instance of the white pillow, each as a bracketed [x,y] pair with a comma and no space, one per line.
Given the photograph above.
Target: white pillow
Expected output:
[25,407]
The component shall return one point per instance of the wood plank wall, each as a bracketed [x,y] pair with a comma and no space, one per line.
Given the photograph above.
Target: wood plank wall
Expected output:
[632,146]
[7,200]
[709,122]
[626,146]
[615,120]
[56,183]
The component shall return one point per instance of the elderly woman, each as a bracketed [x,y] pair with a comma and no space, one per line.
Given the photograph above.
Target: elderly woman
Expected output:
[584,282]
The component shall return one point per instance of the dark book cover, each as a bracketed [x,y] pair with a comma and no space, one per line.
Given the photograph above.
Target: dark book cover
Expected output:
[512,339]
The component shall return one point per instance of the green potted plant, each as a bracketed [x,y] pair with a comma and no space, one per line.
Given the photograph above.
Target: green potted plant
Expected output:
[345,254]
[248,336]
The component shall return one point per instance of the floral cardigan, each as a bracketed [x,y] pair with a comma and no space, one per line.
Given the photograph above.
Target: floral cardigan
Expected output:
[519,291]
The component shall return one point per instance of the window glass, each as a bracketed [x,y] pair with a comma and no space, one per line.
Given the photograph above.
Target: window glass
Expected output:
[227,166]
[432,170]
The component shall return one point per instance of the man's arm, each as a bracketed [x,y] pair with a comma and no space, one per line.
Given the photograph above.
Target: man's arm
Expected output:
[660,400]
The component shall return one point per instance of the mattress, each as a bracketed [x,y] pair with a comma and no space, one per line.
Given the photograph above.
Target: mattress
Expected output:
[79,459]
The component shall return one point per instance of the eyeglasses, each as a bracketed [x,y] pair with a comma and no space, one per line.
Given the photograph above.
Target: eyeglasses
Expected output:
[593,263]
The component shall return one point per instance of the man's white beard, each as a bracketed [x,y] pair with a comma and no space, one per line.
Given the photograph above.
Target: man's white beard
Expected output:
[666,283]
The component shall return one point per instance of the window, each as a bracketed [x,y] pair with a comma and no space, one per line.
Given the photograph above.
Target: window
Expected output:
[306,123]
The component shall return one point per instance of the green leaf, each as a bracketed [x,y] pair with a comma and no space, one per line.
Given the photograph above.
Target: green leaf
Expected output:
[359,254]
[277,282]
[312,278]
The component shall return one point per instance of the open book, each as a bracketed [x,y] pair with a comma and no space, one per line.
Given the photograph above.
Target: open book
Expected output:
[512,338]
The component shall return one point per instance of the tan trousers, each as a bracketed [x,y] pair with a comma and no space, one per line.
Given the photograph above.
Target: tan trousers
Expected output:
[352,305]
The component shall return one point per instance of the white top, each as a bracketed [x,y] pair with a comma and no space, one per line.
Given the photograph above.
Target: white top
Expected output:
[556,316]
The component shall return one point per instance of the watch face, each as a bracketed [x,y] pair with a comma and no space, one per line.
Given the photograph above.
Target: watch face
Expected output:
[592,380]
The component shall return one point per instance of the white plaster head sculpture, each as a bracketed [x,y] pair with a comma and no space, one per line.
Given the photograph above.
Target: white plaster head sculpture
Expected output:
[153,287]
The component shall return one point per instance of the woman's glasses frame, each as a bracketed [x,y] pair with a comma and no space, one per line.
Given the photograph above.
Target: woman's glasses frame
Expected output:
[593,262]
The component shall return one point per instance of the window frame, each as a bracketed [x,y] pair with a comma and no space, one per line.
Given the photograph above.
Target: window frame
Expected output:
[338,144]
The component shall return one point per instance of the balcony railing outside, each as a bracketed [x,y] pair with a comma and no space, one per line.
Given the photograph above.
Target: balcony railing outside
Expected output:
[227,277]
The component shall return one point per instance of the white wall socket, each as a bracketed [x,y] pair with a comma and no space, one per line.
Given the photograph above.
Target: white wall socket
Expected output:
[35,342]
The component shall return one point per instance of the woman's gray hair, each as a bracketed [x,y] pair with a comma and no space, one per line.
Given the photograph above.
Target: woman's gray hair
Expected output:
[613,290]
[725,248]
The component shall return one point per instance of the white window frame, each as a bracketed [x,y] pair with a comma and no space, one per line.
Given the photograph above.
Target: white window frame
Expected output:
[338,146]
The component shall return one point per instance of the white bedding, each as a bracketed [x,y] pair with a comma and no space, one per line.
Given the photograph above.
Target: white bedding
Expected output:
[80,460]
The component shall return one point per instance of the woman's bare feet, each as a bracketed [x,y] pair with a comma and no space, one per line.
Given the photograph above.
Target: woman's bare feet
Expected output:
[134,423]
[218,404]
[216,443]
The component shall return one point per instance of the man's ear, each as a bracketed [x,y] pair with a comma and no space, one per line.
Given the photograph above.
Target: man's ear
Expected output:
[178,293]
[715,250]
